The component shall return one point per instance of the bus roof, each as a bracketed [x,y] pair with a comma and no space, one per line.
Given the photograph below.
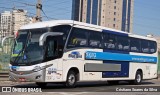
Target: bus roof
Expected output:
[71,22]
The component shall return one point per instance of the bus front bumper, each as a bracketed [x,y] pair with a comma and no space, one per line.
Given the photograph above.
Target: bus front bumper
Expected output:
[27,76]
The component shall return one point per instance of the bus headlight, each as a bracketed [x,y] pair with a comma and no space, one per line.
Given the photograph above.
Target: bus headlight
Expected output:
[37,68]
[10,68]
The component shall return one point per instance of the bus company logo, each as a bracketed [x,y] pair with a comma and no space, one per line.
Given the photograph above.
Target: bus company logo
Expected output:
[75,54]
[13,89]
[52,70]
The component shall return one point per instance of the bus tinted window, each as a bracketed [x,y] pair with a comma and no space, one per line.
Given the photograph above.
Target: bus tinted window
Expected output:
[123,43]
[109,41]
[62,28]
[105,40]
[145,46]
[152,47]
[95,39]
[78,38]
[134,45]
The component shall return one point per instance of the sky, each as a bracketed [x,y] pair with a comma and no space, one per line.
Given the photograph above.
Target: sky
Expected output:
[146,19]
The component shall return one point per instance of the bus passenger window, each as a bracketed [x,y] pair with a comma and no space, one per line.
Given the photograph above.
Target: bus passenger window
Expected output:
[105,38]
[135,45]
[152,50]
[122,43]
[126,48]
[120,47]
[62,28]
[79,41]
[152,46]
[78,38]
[109,41]
[111,44]
[74,41]
[134,49]
[145,46]
[94,43]
[95,39]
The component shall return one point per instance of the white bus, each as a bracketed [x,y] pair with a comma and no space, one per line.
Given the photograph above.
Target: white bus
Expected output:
[68,51]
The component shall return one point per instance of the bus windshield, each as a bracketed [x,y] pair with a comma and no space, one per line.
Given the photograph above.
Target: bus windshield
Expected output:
[26,49]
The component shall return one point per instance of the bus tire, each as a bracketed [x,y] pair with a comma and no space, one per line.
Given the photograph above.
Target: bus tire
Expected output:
[138,78]
[41,84]
[71,79]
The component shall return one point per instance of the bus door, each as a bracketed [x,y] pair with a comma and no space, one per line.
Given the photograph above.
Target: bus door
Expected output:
[54,51]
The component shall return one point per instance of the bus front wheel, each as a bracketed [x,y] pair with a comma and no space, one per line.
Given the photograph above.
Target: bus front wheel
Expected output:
[71,79]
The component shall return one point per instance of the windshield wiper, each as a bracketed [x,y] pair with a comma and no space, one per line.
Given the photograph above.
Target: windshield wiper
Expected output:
[23,49]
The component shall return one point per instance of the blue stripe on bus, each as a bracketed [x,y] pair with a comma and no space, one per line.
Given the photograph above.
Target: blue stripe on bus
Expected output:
[119,57]
[124,66]
[113,32]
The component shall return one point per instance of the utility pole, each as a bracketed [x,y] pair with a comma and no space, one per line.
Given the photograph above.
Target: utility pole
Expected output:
[12,21]
[38,11]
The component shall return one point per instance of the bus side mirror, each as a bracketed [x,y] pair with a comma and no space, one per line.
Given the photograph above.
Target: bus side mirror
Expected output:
[5,38]
[43,37]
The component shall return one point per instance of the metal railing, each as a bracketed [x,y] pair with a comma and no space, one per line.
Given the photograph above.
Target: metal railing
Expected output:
[5,55]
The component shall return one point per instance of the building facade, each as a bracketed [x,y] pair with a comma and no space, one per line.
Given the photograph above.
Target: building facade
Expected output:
[117,14]
[11,21]
[19,19]
[5,24]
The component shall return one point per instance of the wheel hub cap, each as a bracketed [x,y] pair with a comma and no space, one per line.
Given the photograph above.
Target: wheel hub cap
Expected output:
[71,79]
[138,78]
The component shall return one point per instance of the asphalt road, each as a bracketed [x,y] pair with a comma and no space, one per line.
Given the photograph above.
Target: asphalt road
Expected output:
[90,88]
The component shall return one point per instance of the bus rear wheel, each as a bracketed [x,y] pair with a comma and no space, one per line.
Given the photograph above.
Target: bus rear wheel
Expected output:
[138,78]
[71,79]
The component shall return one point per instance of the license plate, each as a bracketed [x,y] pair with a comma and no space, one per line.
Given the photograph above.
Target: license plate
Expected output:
[22,79]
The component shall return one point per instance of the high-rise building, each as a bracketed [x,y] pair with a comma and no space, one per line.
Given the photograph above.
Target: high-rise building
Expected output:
[117,14]
[11,21]
[19,19]
[5,24]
